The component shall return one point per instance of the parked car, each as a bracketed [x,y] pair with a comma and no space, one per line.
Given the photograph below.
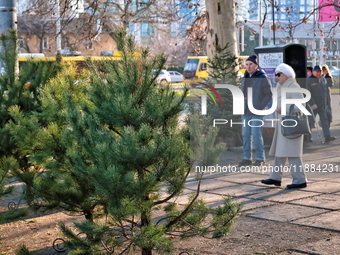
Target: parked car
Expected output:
[176,76]
[69,53]
[333,68]
[336,78]
[163,78]
[335,72]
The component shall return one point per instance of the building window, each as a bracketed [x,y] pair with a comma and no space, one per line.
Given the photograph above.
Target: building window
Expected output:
[21,43]
[327,44]
[65,42]
[99,26]
[173,27]
[146,30]
[89,44]
[45,43]
[132,28]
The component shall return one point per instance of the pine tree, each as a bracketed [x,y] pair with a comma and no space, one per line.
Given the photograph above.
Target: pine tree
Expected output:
[42,135]
[21,89]
[125,140]
[223,70]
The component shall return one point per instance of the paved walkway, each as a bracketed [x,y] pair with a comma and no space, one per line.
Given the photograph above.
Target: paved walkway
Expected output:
[318,205]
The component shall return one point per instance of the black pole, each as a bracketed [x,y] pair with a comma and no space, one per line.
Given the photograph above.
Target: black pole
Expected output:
[273,22]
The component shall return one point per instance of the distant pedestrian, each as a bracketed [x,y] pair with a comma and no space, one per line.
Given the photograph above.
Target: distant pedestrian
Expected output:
[308,138]
[282,147]
[309,71]
[330,84]
[262,95]
[317,85]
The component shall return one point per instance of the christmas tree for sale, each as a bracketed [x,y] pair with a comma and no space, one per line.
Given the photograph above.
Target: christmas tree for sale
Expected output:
[223,70]
[42,135]
[125,139]
[20,88]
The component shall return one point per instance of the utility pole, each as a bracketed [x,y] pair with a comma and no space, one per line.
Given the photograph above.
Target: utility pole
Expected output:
[58,25]
[273,21]
[314,46]
[8,17]
[322,42]
[260,12]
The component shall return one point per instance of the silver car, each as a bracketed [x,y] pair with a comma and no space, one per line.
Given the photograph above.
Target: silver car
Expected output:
[163,78]
[176,76]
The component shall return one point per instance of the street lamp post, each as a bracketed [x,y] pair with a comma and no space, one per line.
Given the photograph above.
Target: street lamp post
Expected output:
[58,25]
[273,22]
[8,17]
[260,10]
[314,46]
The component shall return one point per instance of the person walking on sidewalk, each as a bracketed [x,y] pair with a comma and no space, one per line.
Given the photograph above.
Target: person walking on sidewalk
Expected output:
[282,147]
[262,95]
[317,85]
[330,83]
[308,138]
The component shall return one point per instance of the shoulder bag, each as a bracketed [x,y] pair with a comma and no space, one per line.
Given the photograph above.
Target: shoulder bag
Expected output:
[294,125]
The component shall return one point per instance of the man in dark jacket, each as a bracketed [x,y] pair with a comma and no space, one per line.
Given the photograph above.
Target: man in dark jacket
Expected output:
[317,85]
[252,124]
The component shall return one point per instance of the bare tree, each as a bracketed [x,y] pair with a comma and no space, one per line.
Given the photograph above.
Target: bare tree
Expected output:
[294,19]
[35,21]
[220,26]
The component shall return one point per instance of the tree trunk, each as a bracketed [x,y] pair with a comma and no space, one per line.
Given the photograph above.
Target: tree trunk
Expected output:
[89,216]
[145,221]
[41,44]
[146,252]
[220,25]
[146,214]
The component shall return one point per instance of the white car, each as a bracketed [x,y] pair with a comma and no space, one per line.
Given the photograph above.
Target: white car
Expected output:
[164,77]
[176,76]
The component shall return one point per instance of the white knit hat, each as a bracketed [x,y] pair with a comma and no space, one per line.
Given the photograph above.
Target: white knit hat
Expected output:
[286,69]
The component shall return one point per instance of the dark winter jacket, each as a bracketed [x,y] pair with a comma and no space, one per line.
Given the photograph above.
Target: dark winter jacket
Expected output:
[330,83]
[262,90]
[319,90]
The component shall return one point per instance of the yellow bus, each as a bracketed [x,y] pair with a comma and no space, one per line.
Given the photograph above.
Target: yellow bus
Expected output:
[243,63]
[195,69]
[80,60]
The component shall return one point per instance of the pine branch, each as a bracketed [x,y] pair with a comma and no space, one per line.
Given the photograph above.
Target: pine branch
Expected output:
[178,218]
[173,194]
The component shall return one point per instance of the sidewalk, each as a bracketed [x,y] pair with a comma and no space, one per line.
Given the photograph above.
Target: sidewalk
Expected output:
[317,206]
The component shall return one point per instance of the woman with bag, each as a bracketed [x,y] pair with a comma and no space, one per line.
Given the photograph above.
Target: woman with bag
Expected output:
[283,147]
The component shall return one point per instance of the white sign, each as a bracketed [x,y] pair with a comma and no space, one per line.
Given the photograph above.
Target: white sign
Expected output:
[270,60]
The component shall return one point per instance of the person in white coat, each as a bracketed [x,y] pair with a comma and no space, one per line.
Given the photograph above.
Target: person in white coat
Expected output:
[281,146]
